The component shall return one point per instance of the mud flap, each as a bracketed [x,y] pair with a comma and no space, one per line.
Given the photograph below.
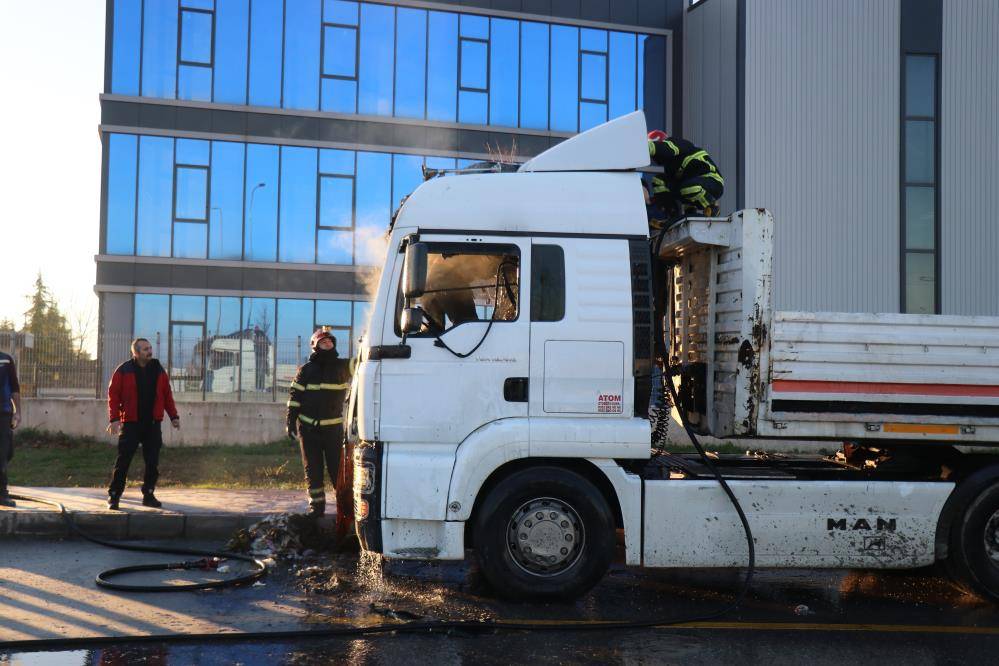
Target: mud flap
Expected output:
[345,492]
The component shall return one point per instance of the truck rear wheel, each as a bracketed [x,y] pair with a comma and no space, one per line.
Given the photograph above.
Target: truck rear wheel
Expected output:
[973,559]
[544,532]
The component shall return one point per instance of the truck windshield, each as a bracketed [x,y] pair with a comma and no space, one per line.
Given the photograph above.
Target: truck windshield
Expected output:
[470,284]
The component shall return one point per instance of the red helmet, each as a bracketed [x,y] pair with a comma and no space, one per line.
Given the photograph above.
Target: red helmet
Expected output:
[658,135]
[324,332]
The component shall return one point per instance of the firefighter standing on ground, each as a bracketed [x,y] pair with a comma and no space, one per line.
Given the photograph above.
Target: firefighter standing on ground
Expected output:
[315,414]
[690,183]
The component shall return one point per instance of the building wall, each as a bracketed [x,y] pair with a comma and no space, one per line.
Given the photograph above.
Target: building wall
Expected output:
[969,168]
[822,148]
[710,91]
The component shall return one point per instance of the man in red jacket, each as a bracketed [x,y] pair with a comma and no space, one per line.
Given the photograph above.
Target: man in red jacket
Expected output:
[138,395]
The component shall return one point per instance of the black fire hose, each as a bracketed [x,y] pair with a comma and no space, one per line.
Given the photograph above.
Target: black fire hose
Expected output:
[209,560]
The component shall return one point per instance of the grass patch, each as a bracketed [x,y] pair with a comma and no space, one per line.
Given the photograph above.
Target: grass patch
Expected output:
[44,458]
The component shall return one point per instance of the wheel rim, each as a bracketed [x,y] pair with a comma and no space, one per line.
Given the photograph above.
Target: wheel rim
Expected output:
[545,536]
[991,539]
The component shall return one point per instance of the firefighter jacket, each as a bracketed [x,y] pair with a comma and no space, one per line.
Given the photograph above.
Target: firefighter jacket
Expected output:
[319,391]
[681,160]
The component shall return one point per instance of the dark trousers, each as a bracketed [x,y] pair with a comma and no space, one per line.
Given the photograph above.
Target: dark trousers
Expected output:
[149,435]
[320,453]
[6,450]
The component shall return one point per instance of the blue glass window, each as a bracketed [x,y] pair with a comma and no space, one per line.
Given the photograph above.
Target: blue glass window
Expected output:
[122,156]
[622,75]
[192,151]
[474,26]
[474,63]
[265,52]
[194,83]
[190,240]
[340,51]
[534,75]
[505,63]
[159,49]
[155,205]
[196,36]
[340,162]
[198,4]
[442,67]
[226,215]
[125,59]
[376,60]
[473,69]
[337,315]
[407,174]
[257,368]
[297,228]
[336,202]
[920,85]
[191,193]
[564,78]
[303,19]
[919,151]
[231,26]
[410,63]
[339,95]
[152,319]
[334,247]
[372,206]
[653,70]
[261,202]
[222,315]
[339,11]
[294,330]
[187,308]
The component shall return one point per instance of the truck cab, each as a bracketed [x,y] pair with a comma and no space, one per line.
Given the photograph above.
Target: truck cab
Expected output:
[502,395]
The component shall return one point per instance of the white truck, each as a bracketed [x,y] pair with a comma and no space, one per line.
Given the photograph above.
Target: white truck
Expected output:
[502,397]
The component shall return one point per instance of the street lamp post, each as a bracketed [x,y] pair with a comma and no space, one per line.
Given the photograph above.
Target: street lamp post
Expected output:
[249,220]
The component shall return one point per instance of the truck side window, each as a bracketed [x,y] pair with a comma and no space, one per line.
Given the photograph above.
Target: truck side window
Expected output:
[467,283]
[547,283]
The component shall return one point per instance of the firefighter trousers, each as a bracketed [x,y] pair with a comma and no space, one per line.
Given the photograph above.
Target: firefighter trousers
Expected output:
[320,447]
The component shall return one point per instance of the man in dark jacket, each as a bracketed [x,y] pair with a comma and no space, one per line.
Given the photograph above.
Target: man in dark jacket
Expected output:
[137,397]
[10,417]
[690,183]
[315,414]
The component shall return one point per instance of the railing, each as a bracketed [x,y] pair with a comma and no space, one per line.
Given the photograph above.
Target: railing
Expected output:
[248,366]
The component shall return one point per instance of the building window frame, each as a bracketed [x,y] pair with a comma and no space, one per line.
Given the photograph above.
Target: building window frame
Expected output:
[909,181]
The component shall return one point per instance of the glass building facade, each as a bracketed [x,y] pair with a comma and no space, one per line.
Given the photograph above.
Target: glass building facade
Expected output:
[255,150]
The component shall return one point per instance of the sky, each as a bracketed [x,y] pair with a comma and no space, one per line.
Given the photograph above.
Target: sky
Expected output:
[50,172]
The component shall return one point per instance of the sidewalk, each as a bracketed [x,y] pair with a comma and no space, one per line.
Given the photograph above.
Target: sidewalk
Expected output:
[187,513]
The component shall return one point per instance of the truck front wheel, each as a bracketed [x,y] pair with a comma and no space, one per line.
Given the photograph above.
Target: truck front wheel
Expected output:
[544,532]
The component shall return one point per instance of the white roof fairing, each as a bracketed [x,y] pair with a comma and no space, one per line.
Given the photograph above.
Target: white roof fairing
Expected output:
[569,203]
[617,145]
[584,185]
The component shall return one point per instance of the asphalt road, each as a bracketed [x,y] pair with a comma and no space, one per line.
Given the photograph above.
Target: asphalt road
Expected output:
[794,616]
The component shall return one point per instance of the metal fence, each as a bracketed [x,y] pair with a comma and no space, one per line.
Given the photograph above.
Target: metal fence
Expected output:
[248,366]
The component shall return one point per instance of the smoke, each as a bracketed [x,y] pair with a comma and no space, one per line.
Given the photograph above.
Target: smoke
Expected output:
[370,248]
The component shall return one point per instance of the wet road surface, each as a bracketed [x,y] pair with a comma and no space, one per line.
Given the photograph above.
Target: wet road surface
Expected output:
[791,616]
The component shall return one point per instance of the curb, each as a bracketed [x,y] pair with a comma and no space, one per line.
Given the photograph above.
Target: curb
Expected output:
[127,525]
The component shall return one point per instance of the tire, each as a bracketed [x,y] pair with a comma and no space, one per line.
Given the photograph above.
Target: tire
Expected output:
[973,558]
[560,556]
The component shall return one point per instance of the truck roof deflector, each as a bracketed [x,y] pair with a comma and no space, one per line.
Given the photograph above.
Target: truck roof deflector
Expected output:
[618,145]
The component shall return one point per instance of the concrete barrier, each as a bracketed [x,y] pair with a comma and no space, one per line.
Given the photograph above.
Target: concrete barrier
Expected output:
[201,423]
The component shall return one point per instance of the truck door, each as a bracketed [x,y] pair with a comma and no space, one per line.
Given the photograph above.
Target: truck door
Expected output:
[467,367]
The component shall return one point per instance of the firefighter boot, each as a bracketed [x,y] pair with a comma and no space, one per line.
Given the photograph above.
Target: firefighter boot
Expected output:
[317,502]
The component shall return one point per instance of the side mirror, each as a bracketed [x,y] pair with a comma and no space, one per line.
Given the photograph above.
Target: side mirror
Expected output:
[411,320]
[415,271]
